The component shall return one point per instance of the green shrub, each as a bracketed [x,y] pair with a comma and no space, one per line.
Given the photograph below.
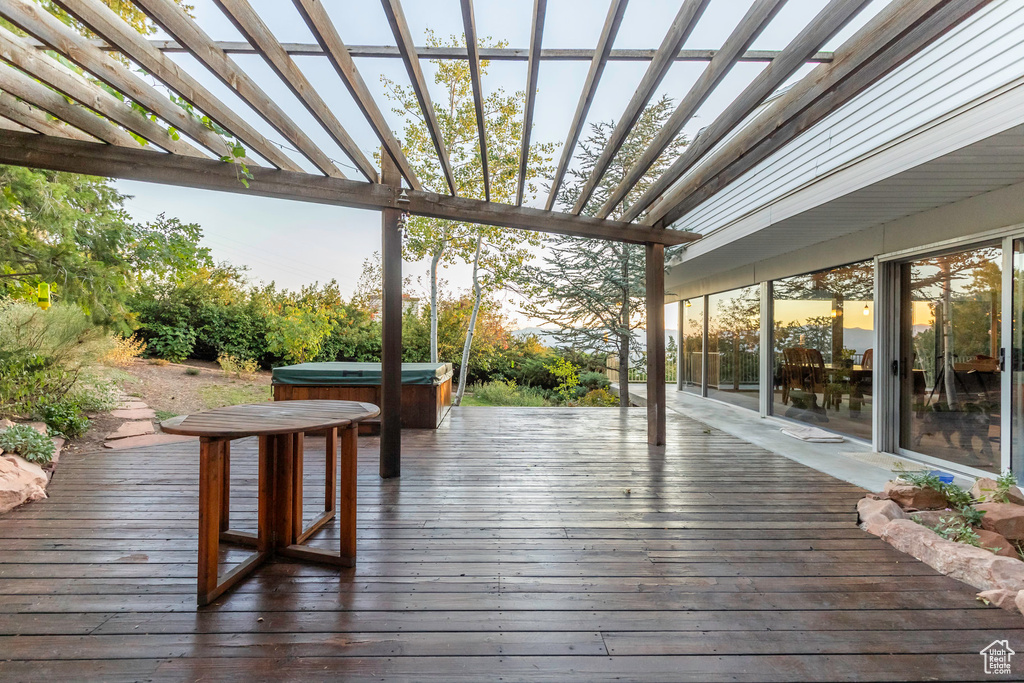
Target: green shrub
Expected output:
[65,417]
[599,398]
[28,443]
[239,367]
[594,380]
[42,354]
[95,395]
[172,343]
[192,371]
[509,394]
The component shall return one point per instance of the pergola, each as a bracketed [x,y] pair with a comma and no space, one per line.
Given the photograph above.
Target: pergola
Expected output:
[53,118]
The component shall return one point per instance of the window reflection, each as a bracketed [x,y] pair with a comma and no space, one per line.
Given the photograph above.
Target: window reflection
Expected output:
[950,340]
[824,348]
[734,329]
[692,348]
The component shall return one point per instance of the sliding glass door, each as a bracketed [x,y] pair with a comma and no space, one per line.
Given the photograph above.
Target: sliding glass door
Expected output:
[950,370]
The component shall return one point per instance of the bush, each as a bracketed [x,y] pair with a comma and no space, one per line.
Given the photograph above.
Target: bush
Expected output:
[599,398]
[125,350]
[42,354]
[28,443]
[237,366]
[508,394]
[95,395]
[65,417]
[192,372]
[171,343]
[594,380]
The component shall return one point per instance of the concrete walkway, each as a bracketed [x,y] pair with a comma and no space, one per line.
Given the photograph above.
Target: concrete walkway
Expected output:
[852,460]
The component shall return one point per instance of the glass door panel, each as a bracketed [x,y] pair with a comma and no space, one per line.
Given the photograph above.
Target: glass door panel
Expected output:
[950,391]
[691,348]
[1017,364]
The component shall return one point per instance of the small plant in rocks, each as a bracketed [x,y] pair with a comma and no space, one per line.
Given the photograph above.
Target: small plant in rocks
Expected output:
[28,443]
[1004,482]
[921,478]
[957,529]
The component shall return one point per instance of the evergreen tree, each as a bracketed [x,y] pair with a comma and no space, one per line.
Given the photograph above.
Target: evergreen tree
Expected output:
[593,290]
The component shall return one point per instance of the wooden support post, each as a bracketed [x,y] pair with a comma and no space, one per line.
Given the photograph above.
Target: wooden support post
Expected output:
[655,265]
[347,506]
[391,317]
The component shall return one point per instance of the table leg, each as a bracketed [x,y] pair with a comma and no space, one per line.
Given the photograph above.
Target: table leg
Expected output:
[347,508]
[225,492]
[284,489]
[331,480]
[211,473]
[297,443]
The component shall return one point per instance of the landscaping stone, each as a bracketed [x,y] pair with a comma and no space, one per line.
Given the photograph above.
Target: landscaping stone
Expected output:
[132,404]
[39,427]
[134,413]
[975,566]
[917,497]
[1019,602]
[990,539]
[1001,597]
[984,490]
[875,514]
[131,429]
[4,424]
[1003,518]
[58,444]
[932,518]
[145,440]
[20,481]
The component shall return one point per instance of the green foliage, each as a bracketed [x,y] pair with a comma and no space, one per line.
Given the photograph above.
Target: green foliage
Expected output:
[238,367]
[922,478]
[218,395]
[508,394]
[72,232]
[170,342]
[956,529]
[93,394]
[599,398]
[972,515]
[568,377]
[297,334]
[957,496]
[1005,482]
[42,354]
[65,417]
[594,380]
[28,443]
[193,372]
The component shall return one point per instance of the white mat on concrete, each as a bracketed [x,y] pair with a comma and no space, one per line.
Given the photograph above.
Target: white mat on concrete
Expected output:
[812,434]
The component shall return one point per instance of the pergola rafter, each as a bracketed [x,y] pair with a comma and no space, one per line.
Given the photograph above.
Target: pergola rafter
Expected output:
[53,117]
[679,30]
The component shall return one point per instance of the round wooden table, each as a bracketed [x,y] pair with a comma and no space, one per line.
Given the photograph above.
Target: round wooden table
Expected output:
[280,428]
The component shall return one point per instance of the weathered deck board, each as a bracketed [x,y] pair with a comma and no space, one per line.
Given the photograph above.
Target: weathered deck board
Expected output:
[521,544]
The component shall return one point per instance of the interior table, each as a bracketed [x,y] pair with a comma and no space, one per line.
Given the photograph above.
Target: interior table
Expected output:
[280,428]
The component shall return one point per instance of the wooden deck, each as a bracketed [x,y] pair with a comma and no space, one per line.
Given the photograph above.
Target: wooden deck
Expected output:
[519,544]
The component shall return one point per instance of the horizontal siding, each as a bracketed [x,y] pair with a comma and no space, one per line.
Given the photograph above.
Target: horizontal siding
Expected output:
[976,58]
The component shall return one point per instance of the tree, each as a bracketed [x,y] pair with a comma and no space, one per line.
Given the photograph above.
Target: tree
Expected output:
[496,253]
[594,290]
[72,232]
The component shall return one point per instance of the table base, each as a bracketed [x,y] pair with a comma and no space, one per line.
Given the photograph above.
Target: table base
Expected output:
[279,501]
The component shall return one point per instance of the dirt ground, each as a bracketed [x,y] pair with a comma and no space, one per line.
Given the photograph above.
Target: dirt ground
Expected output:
[170,390]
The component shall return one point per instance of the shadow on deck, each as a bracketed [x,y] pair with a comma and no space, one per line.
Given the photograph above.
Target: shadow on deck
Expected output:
[519,544]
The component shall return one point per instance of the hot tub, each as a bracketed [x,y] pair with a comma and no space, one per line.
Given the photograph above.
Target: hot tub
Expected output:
[426,388]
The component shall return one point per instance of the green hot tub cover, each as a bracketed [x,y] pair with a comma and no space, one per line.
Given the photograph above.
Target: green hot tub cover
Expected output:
[359,374]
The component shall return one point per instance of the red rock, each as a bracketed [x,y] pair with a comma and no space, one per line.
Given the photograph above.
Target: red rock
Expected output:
[1001,597]
[875,514]
[975,566]
[915,496]
[39,427]
[984,490]
[20,481]
[131,429]
[1019,602]
[1003,518]
[4,424]
[145,440]
[990,540]
[134,413]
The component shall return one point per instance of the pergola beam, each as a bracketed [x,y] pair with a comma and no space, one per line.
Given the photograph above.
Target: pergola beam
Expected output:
[40,151]
[604,48]
[827,23]
[54,74]
[533,69]
[680,29]
[746,32]
[513,54]
[894,35]
[323,29]
[102,21]
[33,19]
[473,54]
[252,27]
[400,29]
[174,21]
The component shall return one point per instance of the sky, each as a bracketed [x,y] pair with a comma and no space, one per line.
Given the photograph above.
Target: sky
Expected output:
[294,243]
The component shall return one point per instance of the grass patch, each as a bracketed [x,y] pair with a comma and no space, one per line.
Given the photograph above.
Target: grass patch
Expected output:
[506,394]
[165,414]
[473,400]
[218,395]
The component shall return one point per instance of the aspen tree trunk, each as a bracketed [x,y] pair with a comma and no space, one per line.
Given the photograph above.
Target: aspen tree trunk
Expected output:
[477,293]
